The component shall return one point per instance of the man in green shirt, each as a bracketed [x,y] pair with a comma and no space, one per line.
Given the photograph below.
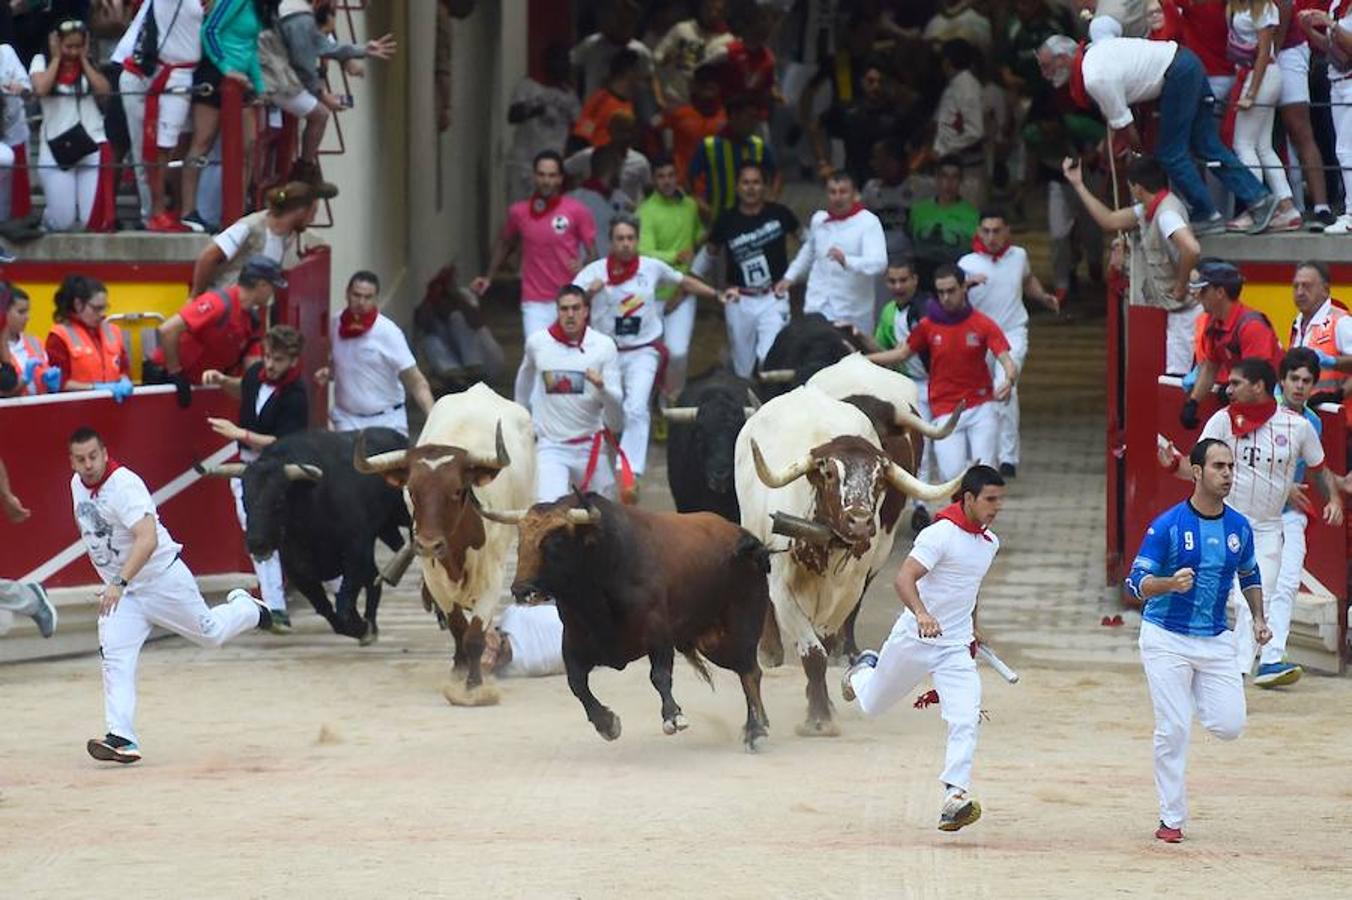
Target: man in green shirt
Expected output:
[670,230]
[942,228]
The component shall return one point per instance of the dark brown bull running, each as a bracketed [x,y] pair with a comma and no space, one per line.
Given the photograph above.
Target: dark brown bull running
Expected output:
[631,583]
[446,522]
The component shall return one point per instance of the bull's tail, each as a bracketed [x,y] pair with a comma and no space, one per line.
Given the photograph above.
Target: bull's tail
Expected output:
[697,663]
[749,546]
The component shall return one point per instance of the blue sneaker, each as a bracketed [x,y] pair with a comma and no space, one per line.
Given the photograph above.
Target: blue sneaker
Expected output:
[44,613]
[112,748]
[867,659]
[1271,675]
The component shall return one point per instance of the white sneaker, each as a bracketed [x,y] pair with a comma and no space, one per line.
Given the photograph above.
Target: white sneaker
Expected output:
[959,811]
[1343,225]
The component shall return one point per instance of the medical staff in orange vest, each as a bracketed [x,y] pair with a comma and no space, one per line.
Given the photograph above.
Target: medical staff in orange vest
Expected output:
[21,351]
[90,351]
[1324,325]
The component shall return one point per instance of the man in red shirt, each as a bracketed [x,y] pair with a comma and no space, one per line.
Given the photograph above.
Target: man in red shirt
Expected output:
[219,329]
[958,338]
[747,65]
[1205,30]
[692,122]
[1232,332]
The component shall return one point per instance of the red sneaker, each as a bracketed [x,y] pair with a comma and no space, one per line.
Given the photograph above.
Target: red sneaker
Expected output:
[166,223]
[1168,835]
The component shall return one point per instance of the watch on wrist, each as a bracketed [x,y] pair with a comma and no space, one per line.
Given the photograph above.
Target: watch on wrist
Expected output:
[120,581]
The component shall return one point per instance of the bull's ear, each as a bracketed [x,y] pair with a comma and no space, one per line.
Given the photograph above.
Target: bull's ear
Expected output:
[482,475]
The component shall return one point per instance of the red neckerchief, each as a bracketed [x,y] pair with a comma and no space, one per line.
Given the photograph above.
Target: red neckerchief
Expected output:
[113,466]
[618,272]
[350,325]
[980,247]
[280,383]
[1153,206]
[1246,418]
[557,333]
[543,206]
[953,513]
[68,73]
[1077,90]
[841,217]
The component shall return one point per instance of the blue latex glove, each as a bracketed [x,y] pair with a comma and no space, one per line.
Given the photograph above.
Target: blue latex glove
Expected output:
[120,389]
[1326,361]
[1190,379]
[51,379]
[29,368]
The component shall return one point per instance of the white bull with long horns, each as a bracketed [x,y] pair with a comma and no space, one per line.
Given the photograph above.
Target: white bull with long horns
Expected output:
[817,462]
[476,447]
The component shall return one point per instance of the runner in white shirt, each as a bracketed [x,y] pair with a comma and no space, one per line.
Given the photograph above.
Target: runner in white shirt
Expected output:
[936,635]
[575,397]
[1000,275]
[371,365]
[145,584]
[624,305]
[1269,441]
[527,642]
[845,252]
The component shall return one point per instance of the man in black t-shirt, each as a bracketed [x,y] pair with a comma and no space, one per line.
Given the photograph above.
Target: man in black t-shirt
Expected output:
[753,236]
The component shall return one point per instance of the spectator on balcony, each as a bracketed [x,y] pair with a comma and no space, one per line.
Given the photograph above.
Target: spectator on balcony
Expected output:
[372,368]
[229,50]
[451,337]
[158,54]
[219,329]
[541,113]
[592,127]
[684,47]
[26,354]
[1293,58]
[272,232]
[306,46]
[72,130]
[90,351]
[633,172]
[15,200]
[686,125]
[1333,37]
[595,54]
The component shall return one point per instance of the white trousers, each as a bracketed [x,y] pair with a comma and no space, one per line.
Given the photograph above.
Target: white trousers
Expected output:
[902,662]
[678,327]
[559,467]
[535,316]
[170,601]
[269,571]
[1179,338]
[976,439]
[1282,600]
[6,181]
[132,87]
[69,193]
[638,371]
[926,470]
[1187,675]
[754,322]
[857,311]
[1008,451]
[1340,100]
[1253,134]
[1267,546]
[342,420]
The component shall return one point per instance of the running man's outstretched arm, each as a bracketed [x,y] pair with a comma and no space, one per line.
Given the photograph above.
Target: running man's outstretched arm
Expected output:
[911,572]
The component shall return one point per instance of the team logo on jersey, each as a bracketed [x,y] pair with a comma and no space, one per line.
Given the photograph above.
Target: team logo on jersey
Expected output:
[1280,440]
[560,224]
[973,340]
[1232,542]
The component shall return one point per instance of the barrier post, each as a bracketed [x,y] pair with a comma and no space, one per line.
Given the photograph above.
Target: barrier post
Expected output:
[232,150]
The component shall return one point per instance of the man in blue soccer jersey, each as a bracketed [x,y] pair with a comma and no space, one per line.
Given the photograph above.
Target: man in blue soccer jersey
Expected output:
[1188,560]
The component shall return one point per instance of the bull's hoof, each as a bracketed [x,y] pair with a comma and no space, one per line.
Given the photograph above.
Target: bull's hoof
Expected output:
[818,728]
[674,724]
[610,730]
[755,740]
[369,636]
[457,693]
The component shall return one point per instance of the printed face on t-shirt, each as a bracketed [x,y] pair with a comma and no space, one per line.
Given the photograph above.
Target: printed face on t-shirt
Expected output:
[564,381]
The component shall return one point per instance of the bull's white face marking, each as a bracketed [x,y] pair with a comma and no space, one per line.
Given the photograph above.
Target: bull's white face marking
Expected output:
[435,463]
[859,488]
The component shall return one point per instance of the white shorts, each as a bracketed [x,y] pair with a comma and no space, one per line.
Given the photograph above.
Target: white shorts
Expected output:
[298,105]
[1295,65]
[342,420]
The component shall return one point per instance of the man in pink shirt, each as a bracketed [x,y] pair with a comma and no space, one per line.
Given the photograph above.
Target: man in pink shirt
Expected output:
[557,236]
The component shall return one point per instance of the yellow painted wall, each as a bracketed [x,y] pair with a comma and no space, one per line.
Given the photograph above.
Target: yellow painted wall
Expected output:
[1275,302]
[165,298]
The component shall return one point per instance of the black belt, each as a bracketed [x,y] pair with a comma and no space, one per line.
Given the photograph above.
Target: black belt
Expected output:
[395,408]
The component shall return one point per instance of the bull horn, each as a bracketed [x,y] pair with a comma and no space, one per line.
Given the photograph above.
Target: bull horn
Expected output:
[374,465]
[224,470]
[911,486]
[907,419]
[586,516]
[302,472]
[776,376]
[792,473]
[500,461]
[753,400]
[680,415]
[502,517]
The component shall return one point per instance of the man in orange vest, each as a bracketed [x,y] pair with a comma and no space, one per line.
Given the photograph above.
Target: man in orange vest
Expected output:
[90,351]
[1323,325]
[219,329]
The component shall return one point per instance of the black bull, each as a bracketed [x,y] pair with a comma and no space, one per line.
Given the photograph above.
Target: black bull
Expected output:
[702,443]
[632,583]
[304,500]
[802,349]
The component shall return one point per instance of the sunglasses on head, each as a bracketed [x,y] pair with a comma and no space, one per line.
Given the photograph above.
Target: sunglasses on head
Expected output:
[71,26]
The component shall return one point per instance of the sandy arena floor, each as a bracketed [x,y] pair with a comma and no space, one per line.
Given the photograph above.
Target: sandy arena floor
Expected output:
[305,766]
